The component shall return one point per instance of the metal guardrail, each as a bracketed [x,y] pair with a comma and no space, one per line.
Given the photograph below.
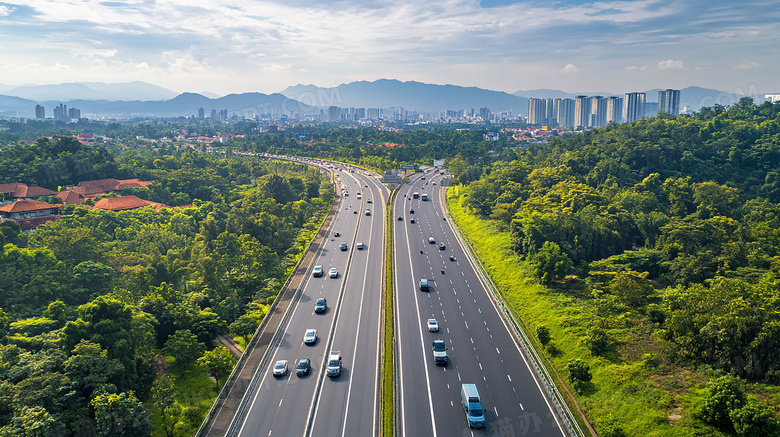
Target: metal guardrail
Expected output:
[542,375]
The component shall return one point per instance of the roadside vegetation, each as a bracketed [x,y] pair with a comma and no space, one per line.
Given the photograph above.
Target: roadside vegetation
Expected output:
[108,319]
[646,256]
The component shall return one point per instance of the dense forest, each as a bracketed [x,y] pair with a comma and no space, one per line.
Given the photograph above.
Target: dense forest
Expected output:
[92,303]
[669,223]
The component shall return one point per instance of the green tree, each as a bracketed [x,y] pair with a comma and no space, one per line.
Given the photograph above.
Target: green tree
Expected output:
[755,419]
[163,394]
[550,264]
[244,326]
[632,288]
[598,341]
[543,334]
[219,362]
[184,347]
[121,415]
[722,396]
[89,368]
[33,422]
[579,374]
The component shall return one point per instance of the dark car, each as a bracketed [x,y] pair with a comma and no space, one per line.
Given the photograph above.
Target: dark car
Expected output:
[411,211]
[400,218]
[321,305]
[303,367]
[442,246]
[343,246]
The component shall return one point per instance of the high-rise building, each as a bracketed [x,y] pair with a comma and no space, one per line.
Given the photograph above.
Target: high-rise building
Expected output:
[61,112]
[669,102]
[374,113]
[485,114]
[40,112]
[360,113]
[565,114]
[74,113]
[634,107]
[334,113]
[201,113]
[598,105]
[614,109]
[537,111]
[582,111]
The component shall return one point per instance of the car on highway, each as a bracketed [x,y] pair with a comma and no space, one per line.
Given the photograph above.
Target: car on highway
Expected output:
[411,211]
[433,325]
[321,305]
[343,247]
[368,212]
[280,368]
[400,218]
[303,367]
[337,234]
[424,284]
[442,246]
[369,201]
[361,245]
[431,240]
[354,212]
[439,352]
[333,272]
[334,364]
[317,272]
[310,337]
[452,257]
[412,221]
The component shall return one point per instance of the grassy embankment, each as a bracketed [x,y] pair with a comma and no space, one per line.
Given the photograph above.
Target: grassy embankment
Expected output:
[633,388]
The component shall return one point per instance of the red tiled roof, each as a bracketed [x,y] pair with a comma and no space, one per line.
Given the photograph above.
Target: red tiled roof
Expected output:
[19,190]
[68,197]
[33,223]
[26,205]
[101,186]
[122,203]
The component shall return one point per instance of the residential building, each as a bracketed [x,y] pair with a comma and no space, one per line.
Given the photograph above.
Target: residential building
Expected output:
[614,109]
[123,203]
[537,111]
[582,111]
[334,113]
[29,213]
[201,113]
[669,102]
[565,114]
[598,105]
[19,191]
[40,112]
[61,112]
[634,107]
[74,113]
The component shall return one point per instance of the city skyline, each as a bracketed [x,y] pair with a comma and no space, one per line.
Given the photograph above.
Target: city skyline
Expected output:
[234,47]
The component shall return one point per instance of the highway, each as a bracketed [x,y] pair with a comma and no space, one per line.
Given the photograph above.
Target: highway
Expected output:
[480,347]
[316,404]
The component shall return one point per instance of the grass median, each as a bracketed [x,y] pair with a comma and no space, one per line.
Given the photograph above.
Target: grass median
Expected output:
[388,352]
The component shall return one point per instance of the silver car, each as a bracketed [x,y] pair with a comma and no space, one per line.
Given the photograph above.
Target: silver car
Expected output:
[310,337]
[433,325]
[280,368]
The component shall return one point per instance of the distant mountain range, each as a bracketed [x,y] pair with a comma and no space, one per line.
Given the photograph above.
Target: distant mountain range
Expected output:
[245,105]
[140,99]
[415,96]
[91,91]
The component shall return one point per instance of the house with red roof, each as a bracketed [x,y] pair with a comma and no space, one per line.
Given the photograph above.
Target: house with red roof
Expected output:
[123,203]
[105,186]
[18,190]
[30,213]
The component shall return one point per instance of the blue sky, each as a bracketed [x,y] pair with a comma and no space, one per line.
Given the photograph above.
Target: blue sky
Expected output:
[243,45]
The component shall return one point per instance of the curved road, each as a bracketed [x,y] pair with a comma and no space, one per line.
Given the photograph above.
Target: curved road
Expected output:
[480,347]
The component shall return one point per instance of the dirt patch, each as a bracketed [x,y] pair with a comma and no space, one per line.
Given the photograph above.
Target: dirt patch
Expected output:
[675,414]
[160,366]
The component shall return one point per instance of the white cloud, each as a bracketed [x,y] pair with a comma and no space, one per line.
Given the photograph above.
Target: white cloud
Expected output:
[5,11]
[747,65]
[670,64]
[570,68]
[636,68]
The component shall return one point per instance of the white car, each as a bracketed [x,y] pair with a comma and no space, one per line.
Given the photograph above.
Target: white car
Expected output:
[433,325]
[333,272]
[317,271]
[280,368]
[360,245]
[310,337]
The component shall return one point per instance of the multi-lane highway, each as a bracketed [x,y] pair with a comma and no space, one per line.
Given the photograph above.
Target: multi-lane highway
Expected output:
[317,404]
[479,346]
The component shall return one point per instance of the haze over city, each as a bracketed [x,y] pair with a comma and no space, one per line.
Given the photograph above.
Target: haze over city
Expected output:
[239,46]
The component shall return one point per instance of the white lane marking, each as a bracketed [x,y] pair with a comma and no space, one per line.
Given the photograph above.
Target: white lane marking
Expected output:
[509,378]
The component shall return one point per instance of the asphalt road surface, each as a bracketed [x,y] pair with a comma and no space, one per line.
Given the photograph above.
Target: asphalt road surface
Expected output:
[318,405]
[479,346]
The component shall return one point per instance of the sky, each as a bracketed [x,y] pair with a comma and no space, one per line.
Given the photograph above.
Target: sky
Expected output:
[234,46]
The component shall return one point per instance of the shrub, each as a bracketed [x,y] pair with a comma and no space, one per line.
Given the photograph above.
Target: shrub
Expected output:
[754,419]
[722,396]
[579,374]
[543,334]
[598,341]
